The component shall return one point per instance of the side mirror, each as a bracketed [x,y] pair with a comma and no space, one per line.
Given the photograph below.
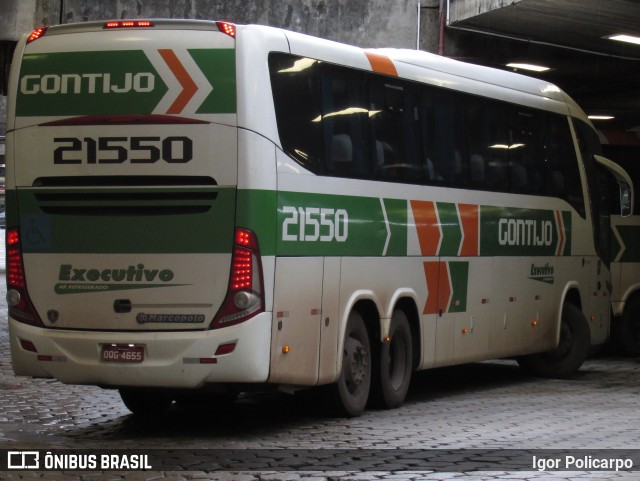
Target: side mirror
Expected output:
[624,182]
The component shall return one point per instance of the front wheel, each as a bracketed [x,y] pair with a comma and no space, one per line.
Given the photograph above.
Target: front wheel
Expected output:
[571,352]
[351,392]
[393,372]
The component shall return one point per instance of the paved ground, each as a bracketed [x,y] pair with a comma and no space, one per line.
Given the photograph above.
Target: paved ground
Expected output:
[472,423]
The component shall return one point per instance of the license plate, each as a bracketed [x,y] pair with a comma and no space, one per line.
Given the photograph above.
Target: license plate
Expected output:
[122,353]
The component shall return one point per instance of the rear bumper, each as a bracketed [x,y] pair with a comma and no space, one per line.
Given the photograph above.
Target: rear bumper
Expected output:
[171,359]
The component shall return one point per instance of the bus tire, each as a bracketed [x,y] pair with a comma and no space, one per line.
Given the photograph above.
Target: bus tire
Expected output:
[351,392]
[572,350]
[146,403]
[626,329]
[395,365]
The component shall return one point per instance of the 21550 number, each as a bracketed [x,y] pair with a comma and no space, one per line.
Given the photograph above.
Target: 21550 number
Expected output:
[117,150]
[312,224]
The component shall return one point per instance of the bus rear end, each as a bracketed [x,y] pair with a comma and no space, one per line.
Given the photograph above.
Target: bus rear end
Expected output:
[124,264]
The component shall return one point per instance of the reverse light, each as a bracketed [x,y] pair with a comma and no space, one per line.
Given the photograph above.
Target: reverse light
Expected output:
[128,24]
[20,306]
[36,34]
[244,297]
[228,28]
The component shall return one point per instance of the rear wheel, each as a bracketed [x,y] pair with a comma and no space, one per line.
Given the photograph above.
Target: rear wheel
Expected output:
[393,372]
[351,392]
[146,403]
[572,350]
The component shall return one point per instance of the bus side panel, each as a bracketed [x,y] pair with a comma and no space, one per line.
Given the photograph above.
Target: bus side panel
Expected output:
[255,103]
[295,336]
[470,305]
[625,258]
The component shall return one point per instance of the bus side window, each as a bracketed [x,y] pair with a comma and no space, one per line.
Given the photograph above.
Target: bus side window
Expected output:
[296,95]
[392,117]
[563,174]
[345,122]
[494,143]
[525,155]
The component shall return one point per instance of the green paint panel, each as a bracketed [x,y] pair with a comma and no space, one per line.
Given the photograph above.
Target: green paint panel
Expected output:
[219,66]
[397,212]
[255,210]
[631,238]
[508,231]
[110,221]
[451,230]
[88,83]
[459,272]
[321,224]
[566,219]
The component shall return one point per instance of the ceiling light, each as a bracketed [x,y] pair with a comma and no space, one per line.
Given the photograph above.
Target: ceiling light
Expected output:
[601,117]
[528,66]
[625,38]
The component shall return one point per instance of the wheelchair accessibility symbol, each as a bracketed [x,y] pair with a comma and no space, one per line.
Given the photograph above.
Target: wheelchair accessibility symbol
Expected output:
[36,232]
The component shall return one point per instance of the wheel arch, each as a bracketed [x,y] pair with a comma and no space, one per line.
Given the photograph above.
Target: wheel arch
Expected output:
[571,295]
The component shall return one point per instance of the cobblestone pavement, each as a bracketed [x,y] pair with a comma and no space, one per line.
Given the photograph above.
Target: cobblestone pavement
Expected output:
[487,406]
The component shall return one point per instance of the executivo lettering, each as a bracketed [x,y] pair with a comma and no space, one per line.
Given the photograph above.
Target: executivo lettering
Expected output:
[78,280]
[543,273]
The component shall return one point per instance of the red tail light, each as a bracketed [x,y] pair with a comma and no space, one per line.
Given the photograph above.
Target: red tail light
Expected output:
[20,306]
[128,24]
[245,293]
[228,28]
[36,34]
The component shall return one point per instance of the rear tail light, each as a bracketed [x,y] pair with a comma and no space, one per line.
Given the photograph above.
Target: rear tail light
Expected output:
[128,24]
[20,306]
[36,34]
[228,28]
[245,293]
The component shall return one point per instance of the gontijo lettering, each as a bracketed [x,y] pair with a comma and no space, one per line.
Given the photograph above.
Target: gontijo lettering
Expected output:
[525,232]
[87,83]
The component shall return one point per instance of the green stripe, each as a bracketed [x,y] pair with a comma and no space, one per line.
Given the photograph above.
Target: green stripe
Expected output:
[451,230]
[254,211]
[506,231]
[397,212]
[459,272]
[348,225]
[115,221]
[630,235]
[75,82]
[566,218]
[219,67]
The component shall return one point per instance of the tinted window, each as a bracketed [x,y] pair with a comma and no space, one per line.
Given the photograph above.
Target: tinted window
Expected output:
[351,123]
[295,85]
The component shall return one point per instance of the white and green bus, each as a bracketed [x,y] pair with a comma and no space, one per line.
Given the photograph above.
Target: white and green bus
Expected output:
[625,259]
[197,208]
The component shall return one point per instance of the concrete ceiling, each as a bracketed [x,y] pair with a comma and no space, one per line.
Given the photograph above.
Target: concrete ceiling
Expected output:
[567,35]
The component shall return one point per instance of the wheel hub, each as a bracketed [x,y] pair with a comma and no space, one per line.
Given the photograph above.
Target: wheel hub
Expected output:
[357,362]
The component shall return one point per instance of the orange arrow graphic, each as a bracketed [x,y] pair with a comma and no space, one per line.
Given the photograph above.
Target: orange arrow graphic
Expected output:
[189,87]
